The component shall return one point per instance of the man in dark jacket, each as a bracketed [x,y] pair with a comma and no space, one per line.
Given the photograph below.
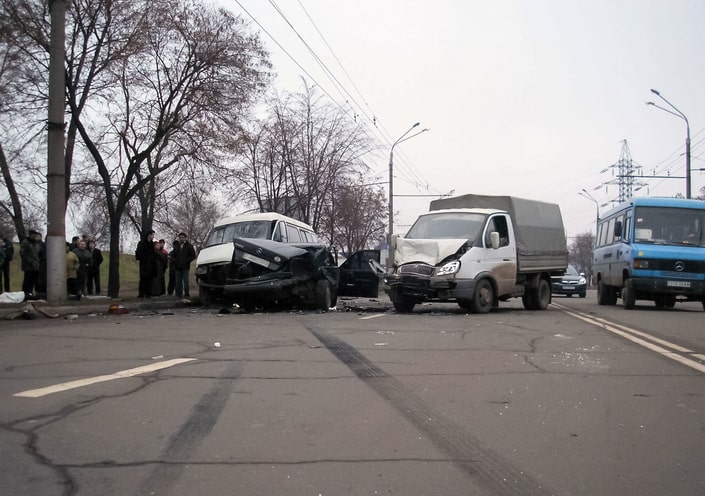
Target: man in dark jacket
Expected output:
[184,254]
[5,268]
[146,256]
[31,264]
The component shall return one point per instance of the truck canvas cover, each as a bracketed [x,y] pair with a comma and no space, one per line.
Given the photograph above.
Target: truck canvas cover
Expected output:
[538,226]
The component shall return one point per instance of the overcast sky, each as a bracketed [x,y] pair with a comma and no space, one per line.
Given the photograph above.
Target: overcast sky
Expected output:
[532,98]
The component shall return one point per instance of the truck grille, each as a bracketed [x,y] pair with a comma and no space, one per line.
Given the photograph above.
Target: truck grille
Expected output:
[420,269]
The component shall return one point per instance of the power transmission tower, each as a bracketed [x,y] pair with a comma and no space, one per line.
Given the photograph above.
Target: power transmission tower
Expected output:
[627,170]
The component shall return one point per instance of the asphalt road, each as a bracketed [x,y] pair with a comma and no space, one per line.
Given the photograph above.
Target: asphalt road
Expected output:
[576,400]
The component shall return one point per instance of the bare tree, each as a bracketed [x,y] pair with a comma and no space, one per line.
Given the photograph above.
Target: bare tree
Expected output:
[191,208]
[359,216]
[580,253]
[294,158]
[23,70]
[198,70]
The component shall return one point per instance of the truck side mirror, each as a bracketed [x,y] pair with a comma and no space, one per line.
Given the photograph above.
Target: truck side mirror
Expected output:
[494,240]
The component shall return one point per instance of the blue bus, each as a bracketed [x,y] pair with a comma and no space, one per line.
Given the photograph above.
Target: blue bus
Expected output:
[651,249]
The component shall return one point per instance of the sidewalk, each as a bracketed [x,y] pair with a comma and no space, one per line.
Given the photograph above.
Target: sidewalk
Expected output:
[101,305]
[31,309]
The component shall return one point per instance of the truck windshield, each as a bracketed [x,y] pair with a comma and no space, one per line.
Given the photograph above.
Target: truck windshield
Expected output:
[669,226]
[447,225]
[260,229]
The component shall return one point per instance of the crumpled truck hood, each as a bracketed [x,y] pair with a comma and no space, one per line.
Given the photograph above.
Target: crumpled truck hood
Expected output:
[430,251]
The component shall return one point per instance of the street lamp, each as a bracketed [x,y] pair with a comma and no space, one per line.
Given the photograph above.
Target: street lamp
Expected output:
[587,195]
[403,137]
[680,114]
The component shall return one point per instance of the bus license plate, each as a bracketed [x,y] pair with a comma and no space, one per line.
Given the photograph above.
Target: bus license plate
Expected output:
[678,284]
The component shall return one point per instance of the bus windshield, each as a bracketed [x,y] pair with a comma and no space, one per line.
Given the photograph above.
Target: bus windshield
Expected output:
[669,226]
[447,225]
[260,229]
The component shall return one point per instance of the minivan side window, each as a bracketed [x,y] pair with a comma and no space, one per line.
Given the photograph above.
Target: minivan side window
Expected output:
[293,234]
[280,233]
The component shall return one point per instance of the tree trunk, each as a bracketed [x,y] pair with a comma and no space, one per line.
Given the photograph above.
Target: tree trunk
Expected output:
[114,260]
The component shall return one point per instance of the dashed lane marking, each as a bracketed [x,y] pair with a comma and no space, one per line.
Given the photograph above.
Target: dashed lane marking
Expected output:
[37,393]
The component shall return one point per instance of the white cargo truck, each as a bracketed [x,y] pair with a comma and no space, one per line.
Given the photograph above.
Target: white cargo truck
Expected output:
[478,250]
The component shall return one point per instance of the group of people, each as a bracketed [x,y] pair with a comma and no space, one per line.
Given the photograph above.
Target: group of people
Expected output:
[154,261]
[83,261]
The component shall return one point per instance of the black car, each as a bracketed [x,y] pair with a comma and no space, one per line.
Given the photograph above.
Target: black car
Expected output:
[269,274]
[569,283]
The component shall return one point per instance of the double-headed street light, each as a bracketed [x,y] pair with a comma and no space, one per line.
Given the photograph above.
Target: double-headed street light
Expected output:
[587,195]
[402,138]
[680,114]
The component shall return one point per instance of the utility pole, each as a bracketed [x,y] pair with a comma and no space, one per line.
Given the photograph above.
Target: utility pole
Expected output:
[56,172]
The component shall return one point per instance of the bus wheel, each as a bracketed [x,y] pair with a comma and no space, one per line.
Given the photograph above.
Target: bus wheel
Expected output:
[628,296]
[602,293]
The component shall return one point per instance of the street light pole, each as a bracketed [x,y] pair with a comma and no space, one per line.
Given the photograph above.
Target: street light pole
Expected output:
[403,137]
[681,115]
[587,195]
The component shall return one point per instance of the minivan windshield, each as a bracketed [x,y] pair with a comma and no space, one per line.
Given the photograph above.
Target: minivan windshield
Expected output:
[447,225]
[669,226]
[258,229]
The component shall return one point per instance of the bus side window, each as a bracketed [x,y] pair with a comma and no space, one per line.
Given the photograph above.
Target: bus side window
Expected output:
[609,235]
[627,230]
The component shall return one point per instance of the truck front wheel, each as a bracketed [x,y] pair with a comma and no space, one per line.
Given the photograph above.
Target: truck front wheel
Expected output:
[484,296]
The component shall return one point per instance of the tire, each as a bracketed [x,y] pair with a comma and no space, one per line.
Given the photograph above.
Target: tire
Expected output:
[526,300]
[582,295]
[324,295]
[606,295]
[628,296]
[542,295]
[611,295]
[602,290]
[483,299]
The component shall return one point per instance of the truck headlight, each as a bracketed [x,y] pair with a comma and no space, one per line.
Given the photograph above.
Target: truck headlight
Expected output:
[449,268]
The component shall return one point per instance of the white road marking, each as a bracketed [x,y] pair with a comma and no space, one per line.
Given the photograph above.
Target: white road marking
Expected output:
[372,316]
[36,393]
[658,345]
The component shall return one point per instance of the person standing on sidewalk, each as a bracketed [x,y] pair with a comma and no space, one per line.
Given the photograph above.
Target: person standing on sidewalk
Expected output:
[94,270]
[146,256]
[184,254]
[29,253]
[9,253]
[85,260]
